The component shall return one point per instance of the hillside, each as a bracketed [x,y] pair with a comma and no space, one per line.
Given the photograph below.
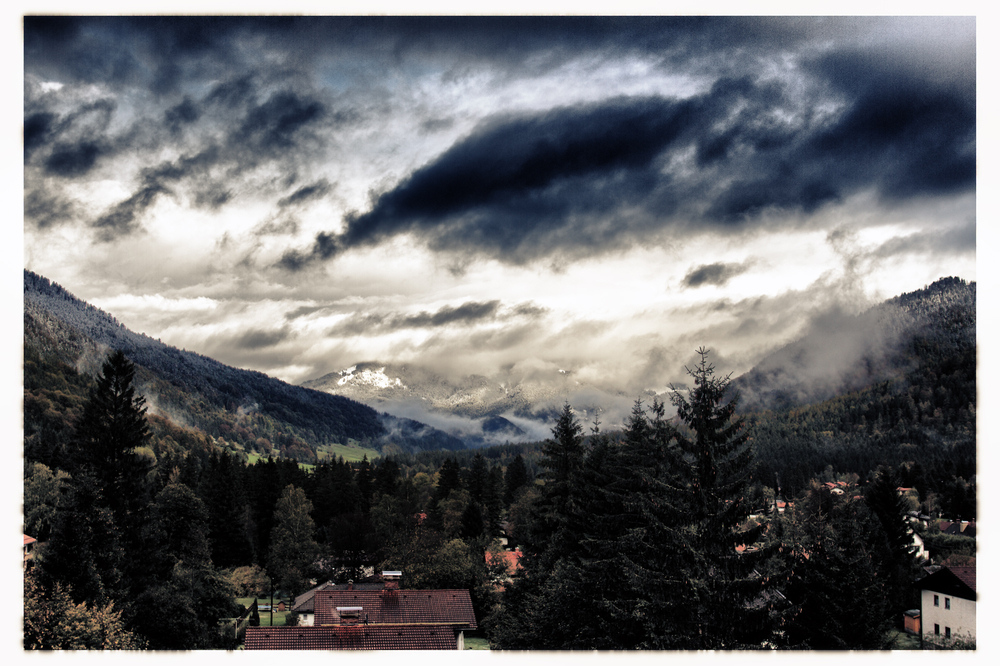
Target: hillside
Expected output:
[902,393]
[247,410]
[844,353]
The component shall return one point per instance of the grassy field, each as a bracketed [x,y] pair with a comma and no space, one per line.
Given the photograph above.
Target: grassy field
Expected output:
[476,644]
[265,616]
[903,641]
[349,452]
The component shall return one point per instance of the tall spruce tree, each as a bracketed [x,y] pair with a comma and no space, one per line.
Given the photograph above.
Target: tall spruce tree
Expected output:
[727,600]
[96,535]
[886,503]
[515,478]
[554,536]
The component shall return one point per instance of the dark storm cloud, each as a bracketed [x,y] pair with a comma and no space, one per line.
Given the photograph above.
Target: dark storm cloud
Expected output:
[37,128]
[182,114]
[267,134]
[70,144]
[306,193]
[462,315]
[524,187]
[73,160]
[787,121]
[260,339]
[275,124]
[466,314]
[46,208]
[123,218]
[519,179]
[716,274]
[151,52]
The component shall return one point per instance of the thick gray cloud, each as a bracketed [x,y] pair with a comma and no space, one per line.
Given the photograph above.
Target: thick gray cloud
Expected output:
[528,185]
[717,274]
[466,314]
[519,188]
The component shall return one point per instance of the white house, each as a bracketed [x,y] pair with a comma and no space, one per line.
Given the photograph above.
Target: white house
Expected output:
[948,606]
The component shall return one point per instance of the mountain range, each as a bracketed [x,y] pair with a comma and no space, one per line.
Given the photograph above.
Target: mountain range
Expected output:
[241,407]
[839,354]
[386,406]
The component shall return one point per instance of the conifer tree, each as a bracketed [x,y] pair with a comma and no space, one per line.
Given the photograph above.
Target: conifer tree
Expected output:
[713,464]
[449,479]
[515,478]
[885,502]
[839,589]
[293,544]
[562,460]
[97,530]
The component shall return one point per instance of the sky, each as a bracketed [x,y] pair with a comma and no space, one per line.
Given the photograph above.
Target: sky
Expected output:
[517,195]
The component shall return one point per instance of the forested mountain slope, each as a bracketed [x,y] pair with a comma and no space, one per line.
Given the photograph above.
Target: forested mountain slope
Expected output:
[246,408]
[903,395]
[844,353]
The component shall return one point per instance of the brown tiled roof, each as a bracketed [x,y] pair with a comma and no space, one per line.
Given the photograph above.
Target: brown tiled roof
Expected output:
[966,574]
[453,607]
[384,637]
[955,581]
[305,602]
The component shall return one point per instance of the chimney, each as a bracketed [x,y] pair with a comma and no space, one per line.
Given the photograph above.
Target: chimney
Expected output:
[350,585]
[391,579]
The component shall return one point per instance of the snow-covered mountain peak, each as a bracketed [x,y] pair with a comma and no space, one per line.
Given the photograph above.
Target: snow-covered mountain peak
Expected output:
[369,377]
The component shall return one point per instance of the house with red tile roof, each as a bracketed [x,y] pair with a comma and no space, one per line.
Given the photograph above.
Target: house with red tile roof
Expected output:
[304,605]
[29,544]
[390,618]
[512,561]
[948,606]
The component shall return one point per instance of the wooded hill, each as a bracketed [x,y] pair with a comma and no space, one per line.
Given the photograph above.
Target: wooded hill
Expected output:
[904,397]
[66,340]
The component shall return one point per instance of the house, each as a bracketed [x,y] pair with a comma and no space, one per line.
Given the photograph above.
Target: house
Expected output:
[304,605]
[919,549]
[512,558]
[512,561]
[387,618]
[29,545]
[963,528]
[948,605]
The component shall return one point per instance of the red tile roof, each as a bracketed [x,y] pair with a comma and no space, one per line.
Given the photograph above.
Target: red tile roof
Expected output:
[512,557]
[966,574]
[452,607]
[384,637]
[28,539]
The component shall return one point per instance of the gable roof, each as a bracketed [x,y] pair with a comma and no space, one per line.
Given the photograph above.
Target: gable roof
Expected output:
[954,581]
[414,637]
[305,602]
[446,607]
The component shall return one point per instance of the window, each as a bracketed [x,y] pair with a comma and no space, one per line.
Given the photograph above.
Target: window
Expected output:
[947,603]
[947,632]
[936,600]
[937,629]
